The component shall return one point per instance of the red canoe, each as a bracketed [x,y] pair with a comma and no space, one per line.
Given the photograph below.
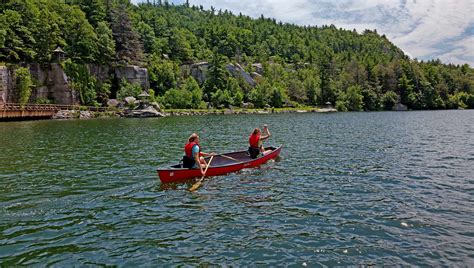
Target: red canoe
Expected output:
[220,165]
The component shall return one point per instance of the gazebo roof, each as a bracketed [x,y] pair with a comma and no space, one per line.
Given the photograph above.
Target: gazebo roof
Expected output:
[58,50]
[144,94]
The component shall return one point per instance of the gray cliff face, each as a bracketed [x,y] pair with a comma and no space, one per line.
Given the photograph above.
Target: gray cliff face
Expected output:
[53,84]
[6,87]
[131,73]
[236,70]
[199,71]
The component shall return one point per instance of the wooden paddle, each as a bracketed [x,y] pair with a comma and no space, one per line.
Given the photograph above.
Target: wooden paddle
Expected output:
[199,182]
[231,158]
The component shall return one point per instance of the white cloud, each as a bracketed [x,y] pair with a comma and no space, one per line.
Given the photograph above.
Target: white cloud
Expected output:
[422,28]
[461,53]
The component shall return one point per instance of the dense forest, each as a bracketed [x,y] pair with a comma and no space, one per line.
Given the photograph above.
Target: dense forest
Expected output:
[302,65]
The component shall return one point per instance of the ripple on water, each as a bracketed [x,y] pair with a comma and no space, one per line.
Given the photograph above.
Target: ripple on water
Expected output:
[349,189]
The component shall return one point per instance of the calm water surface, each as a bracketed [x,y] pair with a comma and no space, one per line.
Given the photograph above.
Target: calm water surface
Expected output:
[350,189]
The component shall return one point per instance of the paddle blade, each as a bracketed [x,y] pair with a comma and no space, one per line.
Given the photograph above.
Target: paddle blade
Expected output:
[195,186]
[198,184]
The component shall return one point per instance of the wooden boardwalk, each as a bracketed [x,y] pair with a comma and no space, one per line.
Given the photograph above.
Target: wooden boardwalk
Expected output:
[16,111]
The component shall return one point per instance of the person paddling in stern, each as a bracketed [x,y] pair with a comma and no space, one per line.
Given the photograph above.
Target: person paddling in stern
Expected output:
[193,157]
[256,141]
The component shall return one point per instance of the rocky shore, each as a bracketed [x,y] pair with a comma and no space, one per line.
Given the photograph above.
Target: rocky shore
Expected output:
[151,112]
[247,111]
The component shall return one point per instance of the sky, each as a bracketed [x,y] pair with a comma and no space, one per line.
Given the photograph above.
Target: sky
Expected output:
[423,29]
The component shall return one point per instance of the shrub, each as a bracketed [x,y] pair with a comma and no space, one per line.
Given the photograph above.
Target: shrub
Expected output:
[177,99]
[82,81]
[43,101]
[389,99]
[24,85]
[354,98]
[128,90]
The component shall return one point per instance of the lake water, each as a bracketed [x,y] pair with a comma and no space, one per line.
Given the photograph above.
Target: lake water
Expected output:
[350,189]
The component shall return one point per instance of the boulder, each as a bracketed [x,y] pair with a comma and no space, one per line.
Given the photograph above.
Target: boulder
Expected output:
[142,113]
[247,105]
[399,107]
[258,68]
[113,103]
[130,100]
[156,106]
[85,115]
[64,114]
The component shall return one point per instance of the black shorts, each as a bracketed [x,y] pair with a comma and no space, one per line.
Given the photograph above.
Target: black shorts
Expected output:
[188,162]
[254,152]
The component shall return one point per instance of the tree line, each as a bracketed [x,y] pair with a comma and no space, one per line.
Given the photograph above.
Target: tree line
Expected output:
[302,65]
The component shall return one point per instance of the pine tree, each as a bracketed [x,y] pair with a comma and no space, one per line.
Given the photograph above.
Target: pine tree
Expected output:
[127,42]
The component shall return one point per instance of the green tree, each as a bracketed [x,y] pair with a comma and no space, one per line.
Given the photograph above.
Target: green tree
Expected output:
[81,81]
[341,103]
[277,97]
[95,11]
[163,74]
[47,35]
[312,88]
[177,98]
[127,42]
[355,100]
[24,85]
[147,35]
[105,44]
[238,98]
[103,91]
[216,75]
[221,97]
[192,86]
[405,88]
[18,41]
[81,39]
[128,90]
[259,95]
[371,99]
[389,99]
[180,48]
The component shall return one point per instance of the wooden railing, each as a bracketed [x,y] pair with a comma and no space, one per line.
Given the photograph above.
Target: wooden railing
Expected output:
[48,107]
[11,110]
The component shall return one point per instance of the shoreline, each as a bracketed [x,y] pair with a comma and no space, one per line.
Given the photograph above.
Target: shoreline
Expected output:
[69,115]
[117,113]
[188,112]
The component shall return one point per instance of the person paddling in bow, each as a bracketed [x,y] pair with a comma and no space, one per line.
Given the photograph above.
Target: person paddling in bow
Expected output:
[193,157]
[256,141]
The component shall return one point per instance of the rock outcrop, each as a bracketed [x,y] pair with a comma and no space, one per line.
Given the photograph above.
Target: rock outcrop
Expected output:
[236,70]
[199,72]
[54,85]
[5,83]
[141,113]
[258,68]
[399,107]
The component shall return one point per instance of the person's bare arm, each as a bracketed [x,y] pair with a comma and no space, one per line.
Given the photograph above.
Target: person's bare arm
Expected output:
[267,133]
[198,161]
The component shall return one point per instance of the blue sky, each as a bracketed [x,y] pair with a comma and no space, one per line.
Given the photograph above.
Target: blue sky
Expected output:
[424,29]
